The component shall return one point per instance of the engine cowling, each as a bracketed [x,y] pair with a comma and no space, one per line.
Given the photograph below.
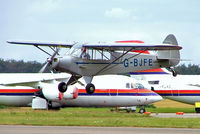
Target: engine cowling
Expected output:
[51,92]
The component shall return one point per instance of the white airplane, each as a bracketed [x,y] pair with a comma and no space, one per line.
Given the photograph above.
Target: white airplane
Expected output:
[182,88]
[112,91]
[91,59]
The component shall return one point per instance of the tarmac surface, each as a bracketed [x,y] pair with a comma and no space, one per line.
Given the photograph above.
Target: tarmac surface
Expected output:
[19,129]
[174,115]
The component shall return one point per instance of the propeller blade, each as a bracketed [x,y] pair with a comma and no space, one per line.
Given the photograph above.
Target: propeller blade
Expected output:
[49,61]
[43,69]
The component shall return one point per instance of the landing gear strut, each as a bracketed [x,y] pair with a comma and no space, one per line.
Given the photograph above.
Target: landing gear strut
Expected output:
[174,73]
[90,88]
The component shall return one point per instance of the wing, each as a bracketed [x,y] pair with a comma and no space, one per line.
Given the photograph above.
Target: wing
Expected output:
[104,46]
[132,46]
[38,43]
[30,79]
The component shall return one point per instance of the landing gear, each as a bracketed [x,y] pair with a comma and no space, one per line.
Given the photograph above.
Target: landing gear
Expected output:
[142,110]
[90,88]
[197,110]
[174,73]
[62,87]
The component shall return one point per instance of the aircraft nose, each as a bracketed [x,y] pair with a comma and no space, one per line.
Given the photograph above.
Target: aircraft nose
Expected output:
[156,98]
[62,64]
[55,63]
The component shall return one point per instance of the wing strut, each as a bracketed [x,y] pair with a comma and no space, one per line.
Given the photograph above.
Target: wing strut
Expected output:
[113,61]
[43,50]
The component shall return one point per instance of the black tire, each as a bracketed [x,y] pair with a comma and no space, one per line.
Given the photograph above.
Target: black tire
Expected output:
[90,88]
[62,87]
[197,110]
[128,110]
[142,110]
[174,73]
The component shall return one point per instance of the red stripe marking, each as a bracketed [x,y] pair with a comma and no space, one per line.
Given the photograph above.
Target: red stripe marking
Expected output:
[152,70]
[177,91]
[18,90]
[140,51]
[118,91]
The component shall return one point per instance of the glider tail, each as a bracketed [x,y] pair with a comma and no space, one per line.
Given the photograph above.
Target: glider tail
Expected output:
[169,57]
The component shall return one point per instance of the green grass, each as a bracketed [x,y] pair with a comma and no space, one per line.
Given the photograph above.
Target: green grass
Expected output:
[171,110]
[91,117]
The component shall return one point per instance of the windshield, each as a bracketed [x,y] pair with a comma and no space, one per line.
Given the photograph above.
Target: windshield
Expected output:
[75,50]
[135,85]
[139,86]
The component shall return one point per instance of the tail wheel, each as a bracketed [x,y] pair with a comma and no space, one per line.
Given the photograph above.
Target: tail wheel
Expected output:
[90,88]
[62,87]
[174,73]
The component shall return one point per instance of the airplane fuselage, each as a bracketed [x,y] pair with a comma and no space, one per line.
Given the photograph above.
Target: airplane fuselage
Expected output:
[101,98]
[186,94]
[130,62]
[121,91]
[182,88]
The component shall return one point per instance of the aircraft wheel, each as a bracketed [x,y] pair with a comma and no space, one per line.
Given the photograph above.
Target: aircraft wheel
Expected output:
[142,110]
[90,88]
[174,73]
[128,110]
[197,110]
[62,87]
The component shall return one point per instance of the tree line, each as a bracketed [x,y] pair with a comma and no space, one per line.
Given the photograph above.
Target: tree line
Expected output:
[13,66]
[190,69]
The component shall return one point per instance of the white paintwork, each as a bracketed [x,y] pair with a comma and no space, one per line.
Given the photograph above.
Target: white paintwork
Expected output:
[180,82]
[39,103]
[101,82]
[16,100]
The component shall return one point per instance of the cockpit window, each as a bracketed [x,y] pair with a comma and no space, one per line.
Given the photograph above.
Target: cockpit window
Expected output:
[127,85]
[139,86]
[134,85]
[75,50]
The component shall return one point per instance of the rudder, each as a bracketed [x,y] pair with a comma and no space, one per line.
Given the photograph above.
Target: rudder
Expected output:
[170,57]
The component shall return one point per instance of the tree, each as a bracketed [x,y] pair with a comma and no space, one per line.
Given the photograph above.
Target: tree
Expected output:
[191,69]
[13,66]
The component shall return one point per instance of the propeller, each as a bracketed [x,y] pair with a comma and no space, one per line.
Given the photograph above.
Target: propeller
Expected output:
[49,61]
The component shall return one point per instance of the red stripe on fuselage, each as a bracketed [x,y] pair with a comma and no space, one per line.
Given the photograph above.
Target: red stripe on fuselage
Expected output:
[177,91]
[18,90]
[118,91]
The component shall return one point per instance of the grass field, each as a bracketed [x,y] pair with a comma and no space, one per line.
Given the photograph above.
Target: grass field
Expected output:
[172,104]
[93,117]
[100,116]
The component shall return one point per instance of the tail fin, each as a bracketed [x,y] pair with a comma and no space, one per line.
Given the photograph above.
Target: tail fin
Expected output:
[170,39]
[169,57]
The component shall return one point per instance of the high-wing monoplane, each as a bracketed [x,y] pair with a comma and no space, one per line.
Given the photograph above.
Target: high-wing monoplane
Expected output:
[90,59]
